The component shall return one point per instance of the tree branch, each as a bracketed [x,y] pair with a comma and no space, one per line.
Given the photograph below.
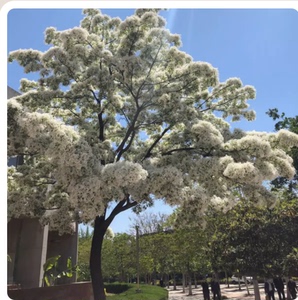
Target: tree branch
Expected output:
[217,105]
[96,98]
[120,207]
[45,182]
[129,131]
[57,107]
[148,154]
[150,69]
[177,150]
[127,147]
[125,116]
[212,95]
[100,121]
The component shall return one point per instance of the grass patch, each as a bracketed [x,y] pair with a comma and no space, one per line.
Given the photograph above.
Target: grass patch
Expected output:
[147,292]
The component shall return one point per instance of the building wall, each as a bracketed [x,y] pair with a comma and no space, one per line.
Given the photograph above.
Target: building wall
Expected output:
[27,247]
[65,245]
[11,93]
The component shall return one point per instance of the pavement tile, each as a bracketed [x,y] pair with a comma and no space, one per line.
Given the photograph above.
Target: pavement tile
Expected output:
[230,293]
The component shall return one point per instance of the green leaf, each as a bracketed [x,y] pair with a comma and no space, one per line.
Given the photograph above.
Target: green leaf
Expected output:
[69,263]
[46,280]
[51,263]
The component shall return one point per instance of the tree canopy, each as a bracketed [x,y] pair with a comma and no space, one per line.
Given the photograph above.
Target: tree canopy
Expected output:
[120,115]
[254,240]
[290,123]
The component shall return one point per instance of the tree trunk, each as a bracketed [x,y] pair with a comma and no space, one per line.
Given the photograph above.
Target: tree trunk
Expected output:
[189,284]
[195,278]
[218,280]
[95,259]
[183,283]
[227,279]
[154,276]
[256,289]
[174,282]
[288,297]
[245,281]
[101,224]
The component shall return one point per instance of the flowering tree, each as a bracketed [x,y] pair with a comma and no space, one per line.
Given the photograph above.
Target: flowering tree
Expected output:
[290,123]
[120,115]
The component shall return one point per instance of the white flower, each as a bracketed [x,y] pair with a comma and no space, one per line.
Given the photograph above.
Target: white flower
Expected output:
[206,134]
[242,172]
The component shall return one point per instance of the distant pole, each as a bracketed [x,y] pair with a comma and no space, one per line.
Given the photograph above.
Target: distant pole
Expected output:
[138,258]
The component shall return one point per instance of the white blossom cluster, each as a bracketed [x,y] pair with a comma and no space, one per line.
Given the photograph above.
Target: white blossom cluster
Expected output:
[207,135]
[120,111]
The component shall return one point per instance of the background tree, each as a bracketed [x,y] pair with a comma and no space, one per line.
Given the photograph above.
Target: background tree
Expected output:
[84,245]
[149,223]
[153,244]
[291,263]
[217,246]
[291,124]
[109,266]
[257,240]
[124,252]
[120,116]
[189,245]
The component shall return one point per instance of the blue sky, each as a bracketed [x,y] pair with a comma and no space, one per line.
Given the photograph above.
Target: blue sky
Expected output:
[258,46]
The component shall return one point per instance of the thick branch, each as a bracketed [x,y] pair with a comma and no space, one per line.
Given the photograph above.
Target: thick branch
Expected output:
[101,127]
[120,207]
[45,182]
[129,131]
[128,146]
[101,137]
[177,150]
[96,98]
[148,154]
[100,121]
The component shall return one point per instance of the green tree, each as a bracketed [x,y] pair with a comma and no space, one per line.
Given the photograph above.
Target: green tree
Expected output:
[149,223]
[83,260]
[189,244]
[124,252]
[84,245]
[291,263]
[290,187]
[120,116]
[152,228]
[252,240]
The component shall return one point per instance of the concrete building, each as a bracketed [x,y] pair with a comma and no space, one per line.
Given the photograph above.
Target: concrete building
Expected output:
[30,244]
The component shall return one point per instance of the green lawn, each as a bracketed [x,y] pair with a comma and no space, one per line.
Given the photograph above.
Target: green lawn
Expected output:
[147,292]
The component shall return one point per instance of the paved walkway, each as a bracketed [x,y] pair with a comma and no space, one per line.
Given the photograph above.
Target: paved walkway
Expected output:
[228,293]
